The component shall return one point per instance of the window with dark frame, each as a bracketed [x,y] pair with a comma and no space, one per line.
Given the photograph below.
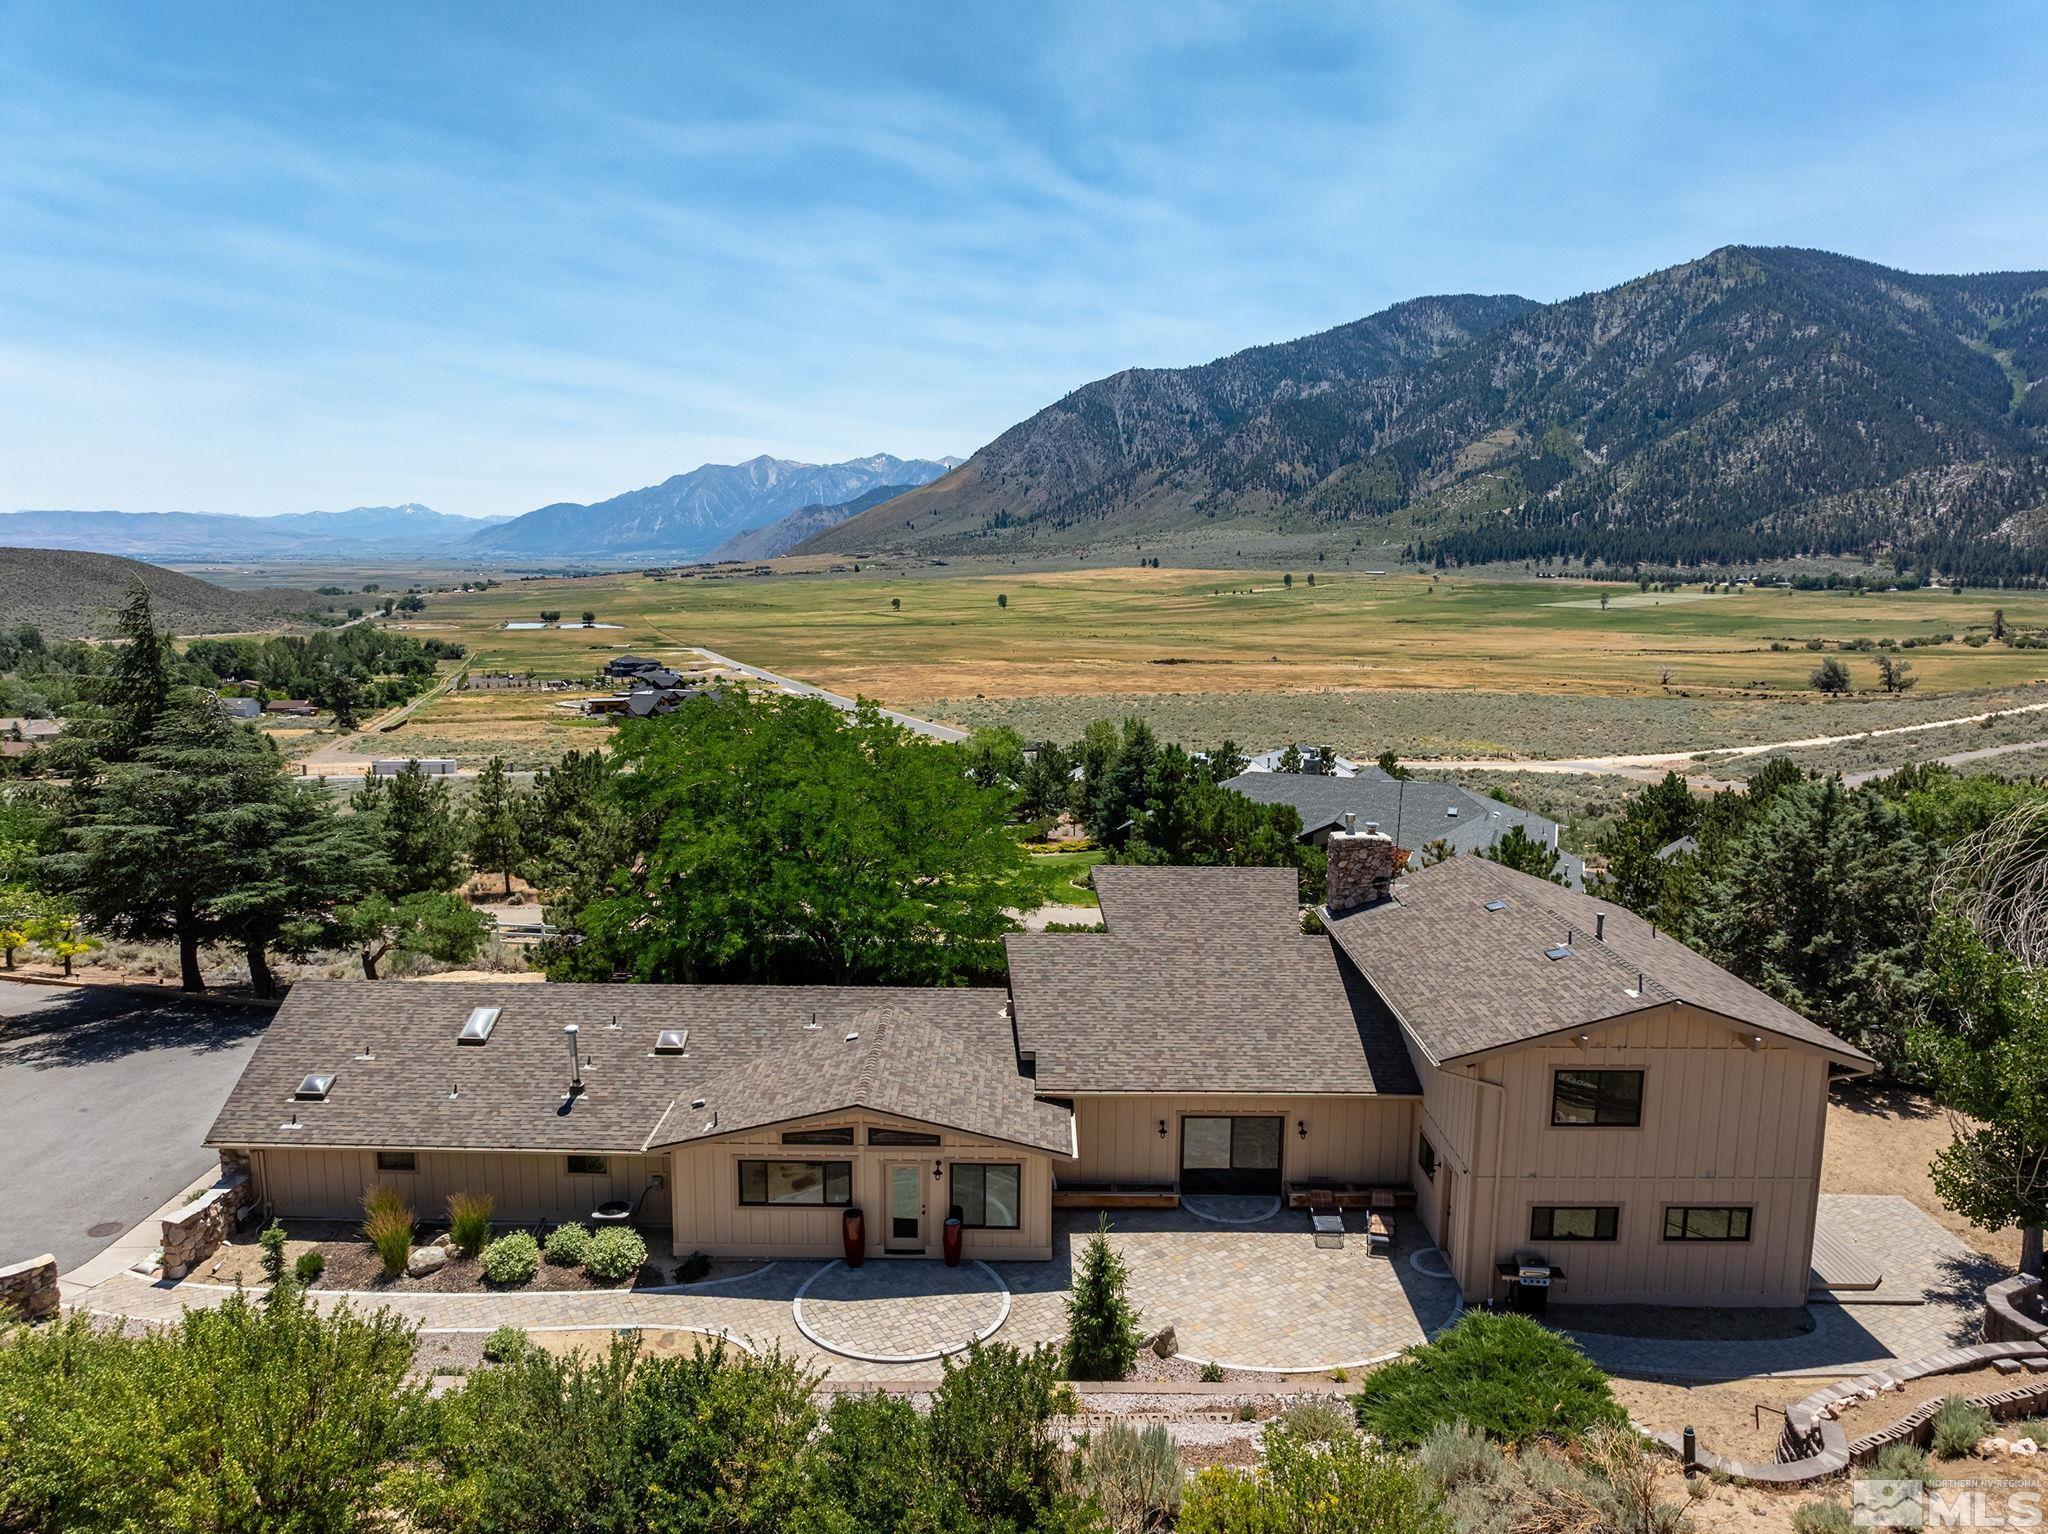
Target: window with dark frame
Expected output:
[1704,1222]
[796,1182]
[588,1166]
[901,1137]
[988,1193]
[1574,1222]
[840,1136]
[1596,1099]
[397,1161]
[1425,1157]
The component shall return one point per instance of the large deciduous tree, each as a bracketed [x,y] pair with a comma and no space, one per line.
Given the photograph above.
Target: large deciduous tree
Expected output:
[779,839]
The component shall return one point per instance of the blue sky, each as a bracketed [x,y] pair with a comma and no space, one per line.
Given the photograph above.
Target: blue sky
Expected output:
[260,258]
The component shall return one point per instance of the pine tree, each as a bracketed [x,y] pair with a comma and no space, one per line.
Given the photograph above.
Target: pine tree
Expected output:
[495,826]
[1102,1325]
[142,676]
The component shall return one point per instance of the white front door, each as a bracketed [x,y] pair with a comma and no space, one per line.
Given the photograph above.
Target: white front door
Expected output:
[904,1231]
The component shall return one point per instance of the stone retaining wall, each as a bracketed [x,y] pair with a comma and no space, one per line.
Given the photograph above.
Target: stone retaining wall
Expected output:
[196,1231]
[1814,1444]
[29,1289]
[2010,1309]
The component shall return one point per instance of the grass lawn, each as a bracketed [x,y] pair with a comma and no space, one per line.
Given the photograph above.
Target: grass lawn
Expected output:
[1048,879]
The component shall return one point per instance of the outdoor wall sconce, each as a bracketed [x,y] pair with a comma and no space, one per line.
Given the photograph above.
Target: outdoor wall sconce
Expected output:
[1162,1129]
[1301,1128]
[937,1174]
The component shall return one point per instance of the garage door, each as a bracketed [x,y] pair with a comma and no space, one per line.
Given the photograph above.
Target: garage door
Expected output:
[1230,1155]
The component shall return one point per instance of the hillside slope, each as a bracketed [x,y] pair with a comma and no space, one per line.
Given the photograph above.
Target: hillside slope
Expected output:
[687,515]
[71,595]
[1750,405]
[785,533]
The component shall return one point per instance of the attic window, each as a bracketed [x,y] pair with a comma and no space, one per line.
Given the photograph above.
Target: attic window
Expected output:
[670,1041]
[314,1089]
[1496,905]
[1559,952]
[476,1028]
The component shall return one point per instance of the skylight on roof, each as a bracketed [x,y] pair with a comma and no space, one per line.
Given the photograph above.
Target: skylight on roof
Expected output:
[1559,952]
[1496,905]
[476,1028]
[671,1041]
[314,1088]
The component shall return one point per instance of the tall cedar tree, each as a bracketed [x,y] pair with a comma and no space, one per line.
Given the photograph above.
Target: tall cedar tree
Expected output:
[779,839]
[202,838]
[141,683]
[413,821]
[1102,1324]
[496,830]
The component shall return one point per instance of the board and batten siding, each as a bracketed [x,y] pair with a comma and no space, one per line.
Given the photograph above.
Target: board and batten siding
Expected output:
[708,1216]
[1353,1139]
[1725,1121]
[328,1184]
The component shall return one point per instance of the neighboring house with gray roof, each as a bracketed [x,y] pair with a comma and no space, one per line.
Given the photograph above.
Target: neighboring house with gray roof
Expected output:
[1413,811]
[1547,1082]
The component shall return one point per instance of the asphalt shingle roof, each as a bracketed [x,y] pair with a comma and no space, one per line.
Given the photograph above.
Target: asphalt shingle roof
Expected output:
[401,1080]
[1203,983]
[1413,812]
[1466,979]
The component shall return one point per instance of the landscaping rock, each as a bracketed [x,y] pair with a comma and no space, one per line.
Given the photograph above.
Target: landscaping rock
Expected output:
[1164,1342]
[444,1239]
[426,1260]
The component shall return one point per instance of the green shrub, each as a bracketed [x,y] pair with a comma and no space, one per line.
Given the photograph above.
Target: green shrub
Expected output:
[1133,1476]
[1503,1375]
[1822,1518]
[309,1267]
[992,1439]
[1345,1487]
[1904,1461]
[1958,1428]
[692,1268]
[390,1232]
[567,1245]
[512,1259]
[873,1470]
[272,1255]
[1212,1373]
[616,1252]
[1454,1456]
[1318,1421]
[504,1344]
[1102,1325]
[469,1222]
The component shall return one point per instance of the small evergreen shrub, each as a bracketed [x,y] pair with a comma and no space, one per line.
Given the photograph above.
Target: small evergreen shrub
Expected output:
[504,1345]
[692,1268]
[272,1256]
[309,1267]
[1212,1374]
[469,1222]
[1958,1428]
[512,1259]
[615,1253]
[1822,1518]
[567,1245]
[1503,1375]
[1102,1325]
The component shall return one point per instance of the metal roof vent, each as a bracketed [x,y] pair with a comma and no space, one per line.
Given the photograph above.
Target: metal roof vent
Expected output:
[1496,905]
[696,1102]
[853,1035]
[1559,952]
[670,1041]
[1451,811]
[476,1028]
[314,1088]
[813,1025]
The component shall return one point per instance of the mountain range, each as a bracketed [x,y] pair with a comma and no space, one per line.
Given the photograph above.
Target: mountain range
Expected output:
[688,515]
[1754,404]
[682,518]
[786,532]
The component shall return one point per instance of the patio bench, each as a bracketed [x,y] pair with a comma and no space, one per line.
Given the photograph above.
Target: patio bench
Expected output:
[1115,1195]
[1312,1192]
[1379,1233]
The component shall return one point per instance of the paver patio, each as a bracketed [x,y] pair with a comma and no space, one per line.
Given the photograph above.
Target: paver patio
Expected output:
[901,1311]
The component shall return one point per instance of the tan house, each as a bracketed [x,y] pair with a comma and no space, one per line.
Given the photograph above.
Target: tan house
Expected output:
[1563,1097]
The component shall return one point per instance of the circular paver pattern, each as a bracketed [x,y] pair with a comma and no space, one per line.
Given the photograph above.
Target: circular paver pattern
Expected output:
[901,1311]
[1231,1208]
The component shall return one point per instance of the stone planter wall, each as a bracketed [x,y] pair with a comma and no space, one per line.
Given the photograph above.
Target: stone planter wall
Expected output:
[195,1232]
[2010,1309]
[29,1289]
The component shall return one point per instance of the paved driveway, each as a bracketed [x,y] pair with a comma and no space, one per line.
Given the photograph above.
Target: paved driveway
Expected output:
[104,1098]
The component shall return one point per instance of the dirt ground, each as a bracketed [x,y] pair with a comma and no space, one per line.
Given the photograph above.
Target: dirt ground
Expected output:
[1881,1140]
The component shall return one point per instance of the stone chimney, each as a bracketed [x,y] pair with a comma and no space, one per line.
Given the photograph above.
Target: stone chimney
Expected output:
[1360,869]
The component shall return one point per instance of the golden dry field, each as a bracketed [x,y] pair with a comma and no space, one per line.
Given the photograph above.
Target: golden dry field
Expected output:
[1651,671]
